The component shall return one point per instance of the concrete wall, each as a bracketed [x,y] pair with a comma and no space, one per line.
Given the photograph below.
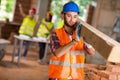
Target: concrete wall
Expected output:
[103,19]
[105,14]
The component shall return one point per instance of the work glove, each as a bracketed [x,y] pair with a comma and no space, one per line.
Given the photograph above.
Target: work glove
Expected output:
[86,43]
[78,31]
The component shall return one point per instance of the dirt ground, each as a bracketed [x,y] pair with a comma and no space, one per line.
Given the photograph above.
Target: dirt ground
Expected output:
[29,68]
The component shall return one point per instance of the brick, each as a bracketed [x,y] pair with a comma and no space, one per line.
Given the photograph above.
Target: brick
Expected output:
[26,8]
[93,76]
[102,78]
[91,65]
[118,64]
[8,28]
[101,67]
[118,77]
[90,69]
[113,68]
[108,75]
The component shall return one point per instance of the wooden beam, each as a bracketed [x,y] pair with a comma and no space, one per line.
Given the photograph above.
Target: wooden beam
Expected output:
[106,46]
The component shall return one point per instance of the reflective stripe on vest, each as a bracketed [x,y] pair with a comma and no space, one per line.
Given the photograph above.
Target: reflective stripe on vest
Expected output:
[79,65]
[76,52]
[55,62]
[26,30]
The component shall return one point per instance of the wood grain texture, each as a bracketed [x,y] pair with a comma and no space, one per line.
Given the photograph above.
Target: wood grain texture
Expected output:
[106,46]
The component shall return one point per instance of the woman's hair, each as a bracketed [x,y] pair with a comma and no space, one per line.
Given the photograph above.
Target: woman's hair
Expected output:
[50,15]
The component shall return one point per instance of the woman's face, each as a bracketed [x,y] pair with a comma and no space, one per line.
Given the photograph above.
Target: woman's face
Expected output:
[47,16]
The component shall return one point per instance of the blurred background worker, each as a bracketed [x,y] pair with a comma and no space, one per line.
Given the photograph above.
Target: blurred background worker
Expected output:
[44,31]
[27,26]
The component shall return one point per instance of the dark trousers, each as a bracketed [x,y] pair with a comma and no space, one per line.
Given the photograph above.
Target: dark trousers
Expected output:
[41,50]
[53,79]
[27,44]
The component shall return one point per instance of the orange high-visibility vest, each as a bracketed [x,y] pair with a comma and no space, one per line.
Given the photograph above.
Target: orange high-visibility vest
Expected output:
[71,63]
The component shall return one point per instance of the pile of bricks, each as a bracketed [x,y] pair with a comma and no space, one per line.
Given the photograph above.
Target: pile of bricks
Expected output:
[102,72]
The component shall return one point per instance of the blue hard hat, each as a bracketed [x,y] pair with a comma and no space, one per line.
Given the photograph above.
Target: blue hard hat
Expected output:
[70,6]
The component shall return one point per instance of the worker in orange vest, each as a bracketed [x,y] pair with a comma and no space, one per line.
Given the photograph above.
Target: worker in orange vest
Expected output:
[67,61]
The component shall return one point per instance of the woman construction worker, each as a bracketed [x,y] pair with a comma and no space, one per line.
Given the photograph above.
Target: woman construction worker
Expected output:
[44,31]
[67,61]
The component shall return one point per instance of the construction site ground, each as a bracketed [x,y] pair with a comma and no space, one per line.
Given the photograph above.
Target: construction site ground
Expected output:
[29,68]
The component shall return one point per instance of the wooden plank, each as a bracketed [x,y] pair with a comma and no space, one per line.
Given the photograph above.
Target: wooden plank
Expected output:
[105,45]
